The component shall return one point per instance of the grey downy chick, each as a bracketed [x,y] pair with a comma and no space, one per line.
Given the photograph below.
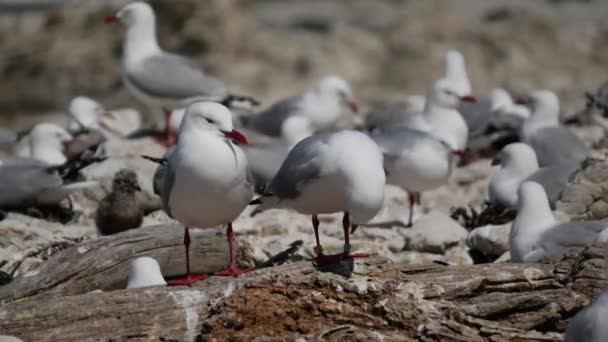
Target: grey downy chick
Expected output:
[123,208]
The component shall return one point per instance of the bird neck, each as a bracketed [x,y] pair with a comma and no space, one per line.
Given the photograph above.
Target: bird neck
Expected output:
[455,70]
[534,216]
[140,41]
[295,128]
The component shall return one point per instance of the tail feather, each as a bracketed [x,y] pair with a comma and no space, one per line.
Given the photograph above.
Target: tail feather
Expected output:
[264,202]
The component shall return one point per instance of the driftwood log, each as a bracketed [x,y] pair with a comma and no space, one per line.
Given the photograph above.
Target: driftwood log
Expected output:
[104,263]
[370,299]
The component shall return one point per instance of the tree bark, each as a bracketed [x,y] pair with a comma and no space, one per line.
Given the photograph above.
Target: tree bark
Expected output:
[369,299]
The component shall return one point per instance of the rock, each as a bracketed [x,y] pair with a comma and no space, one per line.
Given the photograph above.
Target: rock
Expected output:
[434,233]
[490,240]
[586,195]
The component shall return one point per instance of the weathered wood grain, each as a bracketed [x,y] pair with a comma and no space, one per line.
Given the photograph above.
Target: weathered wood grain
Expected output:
[104,263]
[379,300]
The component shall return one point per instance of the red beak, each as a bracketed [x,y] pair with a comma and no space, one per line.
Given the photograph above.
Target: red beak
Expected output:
[68,146]
[468,98]
[353,106]
[495,161]
[108,115]
[236,136]
[460,153]
[111,19]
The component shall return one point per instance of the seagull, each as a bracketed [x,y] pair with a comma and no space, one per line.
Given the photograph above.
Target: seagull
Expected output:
[535,233]
[327,173]
[506,114]
[85,114]
[415,161]
[144,271]
[411,111]
[204,181]
[31,182]
[589,324]
[321,106]
[49,143]
[519,164]
[122,209]
[553,143]
[160,78]
[441,114]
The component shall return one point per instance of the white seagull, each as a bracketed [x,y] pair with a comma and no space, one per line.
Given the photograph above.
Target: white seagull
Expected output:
[328,173]
[160,78]
[144,271]
[518,164]
[535,232]
[205,182]
[321,105]
[553,143]
[506,114]
[415,161]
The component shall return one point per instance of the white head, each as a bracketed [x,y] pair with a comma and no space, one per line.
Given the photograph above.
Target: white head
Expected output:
[140,21]
[83,111]
[134,14]
[338,88]
[500,99]
[48,143]
[447,94]
[210,118]
[144,271]
[518,158]
[455,70]
[545,104]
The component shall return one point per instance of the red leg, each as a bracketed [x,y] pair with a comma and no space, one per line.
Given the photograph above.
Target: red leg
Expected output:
[168,138]
[232,270]
[315,227]
[346,226]
[189,279]
[412,199]
[332,259]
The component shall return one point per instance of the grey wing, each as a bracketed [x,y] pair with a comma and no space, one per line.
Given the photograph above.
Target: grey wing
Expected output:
[553,179]
[264,161]
[589,324]
[269,121]
[391,115]
[299,168]
[393,141]
[572,234]
[20,184]
[477,116]
[557,145]
[21,161]
[164,177]
[173,77]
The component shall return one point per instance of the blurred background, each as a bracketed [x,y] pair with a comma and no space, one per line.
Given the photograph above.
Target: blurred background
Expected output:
[53,50]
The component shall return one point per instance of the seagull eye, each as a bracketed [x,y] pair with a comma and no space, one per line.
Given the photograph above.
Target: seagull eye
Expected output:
[210,121]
